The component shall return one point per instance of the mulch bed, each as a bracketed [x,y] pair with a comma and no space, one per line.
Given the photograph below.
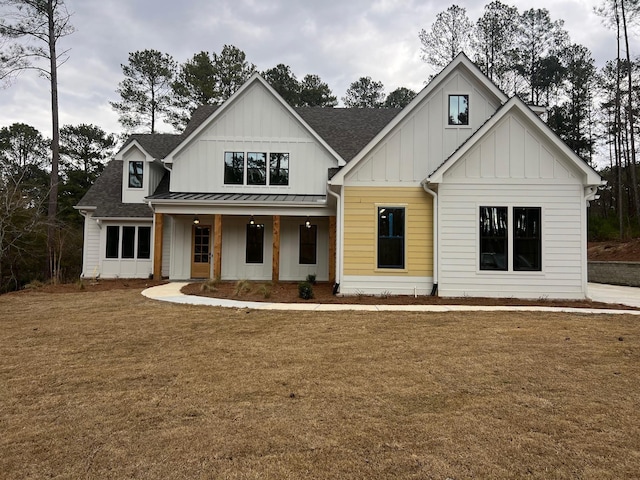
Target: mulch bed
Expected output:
[287,292]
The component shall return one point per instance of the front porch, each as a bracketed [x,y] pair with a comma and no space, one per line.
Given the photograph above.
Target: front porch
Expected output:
[229,246]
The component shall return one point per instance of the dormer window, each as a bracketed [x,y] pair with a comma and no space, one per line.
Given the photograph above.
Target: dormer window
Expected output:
[458,109]
[136,174]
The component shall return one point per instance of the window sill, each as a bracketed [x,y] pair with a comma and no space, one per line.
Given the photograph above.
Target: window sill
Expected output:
[390,270]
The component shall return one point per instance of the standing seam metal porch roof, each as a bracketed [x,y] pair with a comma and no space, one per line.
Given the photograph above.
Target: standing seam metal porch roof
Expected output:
[236,198]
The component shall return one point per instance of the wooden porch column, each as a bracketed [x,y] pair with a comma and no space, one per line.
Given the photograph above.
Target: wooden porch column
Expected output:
[332,249]
[217,246]
[275,265]
[157,245]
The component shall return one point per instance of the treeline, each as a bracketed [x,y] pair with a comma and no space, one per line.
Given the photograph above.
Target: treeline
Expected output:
[593,110]
[156,89]
[25,165]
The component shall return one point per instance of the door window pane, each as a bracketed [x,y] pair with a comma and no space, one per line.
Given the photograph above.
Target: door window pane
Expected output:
[201,244]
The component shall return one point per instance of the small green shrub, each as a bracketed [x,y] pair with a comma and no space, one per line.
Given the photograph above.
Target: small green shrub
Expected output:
[311,278]
[242,287]
[305,290]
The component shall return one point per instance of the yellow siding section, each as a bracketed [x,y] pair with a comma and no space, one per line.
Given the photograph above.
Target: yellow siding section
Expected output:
[360,219]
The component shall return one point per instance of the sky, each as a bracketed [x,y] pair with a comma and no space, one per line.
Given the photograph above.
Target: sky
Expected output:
[339,40]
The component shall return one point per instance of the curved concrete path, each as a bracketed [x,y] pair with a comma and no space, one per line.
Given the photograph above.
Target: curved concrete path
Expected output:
[170,292]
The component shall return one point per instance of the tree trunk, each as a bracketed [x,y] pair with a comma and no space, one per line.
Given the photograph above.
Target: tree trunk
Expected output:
[634,180]
[54,273]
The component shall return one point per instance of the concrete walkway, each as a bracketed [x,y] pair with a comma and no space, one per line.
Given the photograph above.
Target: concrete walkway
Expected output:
[170,292]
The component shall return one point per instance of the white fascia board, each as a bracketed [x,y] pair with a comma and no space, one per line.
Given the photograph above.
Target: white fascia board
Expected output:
[130,145]
[514,103]
[256,77]
[461,59]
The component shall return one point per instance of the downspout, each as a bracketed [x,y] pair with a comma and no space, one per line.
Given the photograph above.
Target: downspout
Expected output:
[434,290]
[336,287]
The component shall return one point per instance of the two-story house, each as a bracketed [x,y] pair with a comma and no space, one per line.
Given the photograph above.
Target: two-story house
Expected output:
[464,191]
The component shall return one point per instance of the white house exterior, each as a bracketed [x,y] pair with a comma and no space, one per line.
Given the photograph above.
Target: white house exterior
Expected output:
[464,192]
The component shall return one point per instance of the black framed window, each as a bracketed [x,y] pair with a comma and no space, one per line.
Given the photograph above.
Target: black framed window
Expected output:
[494,238]
[255,243]
[113,241]
[256,168]
[527,239]
[144,242]
[233,168]
[391,237]
[458,109]
[128,242]
[308,244]
[136,170]
[279,169]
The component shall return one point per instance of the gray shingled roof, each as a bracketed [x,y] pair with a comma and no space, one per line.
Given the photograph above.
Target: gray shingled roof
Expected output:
[106,196]
[346,130]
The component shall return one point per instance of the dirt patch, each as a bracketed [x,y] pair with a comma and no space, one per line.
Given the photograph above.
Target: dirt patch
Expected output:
[614,251]
[287,292]
[91,286]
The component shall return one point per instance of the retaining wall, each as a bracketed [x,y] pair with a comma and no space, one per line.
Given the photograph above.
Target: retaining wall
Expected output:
[615,273]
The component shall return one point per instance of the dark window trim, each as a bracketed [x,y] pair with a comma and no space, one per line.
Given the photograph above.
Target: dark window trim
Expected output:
[493,231]
[391,239]
[249,179]
[134,173]
[310,243]
[456,122]
[254,240]
[531,234]
[116,249]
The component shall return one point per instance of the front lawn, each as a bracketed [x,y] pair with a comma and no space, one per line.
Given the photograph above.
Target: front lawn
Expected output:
[109,384]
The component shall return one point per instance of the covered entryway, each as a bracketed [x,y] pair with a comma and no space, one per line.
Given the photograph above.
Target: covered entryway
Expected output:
[200,251]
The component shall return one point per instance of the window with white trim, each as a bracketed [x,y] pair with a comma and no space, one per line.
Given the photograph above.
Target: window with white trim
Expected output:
[391,229]
[136,174]
[256,168]
[128,242]
[525,237]
[458,109]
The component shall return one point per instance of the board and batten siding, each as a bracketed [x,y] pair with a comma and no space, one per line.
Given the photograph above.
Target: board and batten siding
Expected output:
[421,141]
[255,122]
[360,272]
[513,166]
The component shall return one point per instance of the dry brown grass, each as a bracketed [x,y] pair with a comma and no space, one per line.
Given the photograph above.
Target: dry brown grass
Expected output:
[112,385]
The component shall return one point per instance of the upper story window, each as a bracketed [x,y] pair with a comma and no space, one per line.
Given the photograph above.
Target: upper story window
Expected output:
[135,174]
[279,169]
[233,168]
[458,109]
[252,168]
